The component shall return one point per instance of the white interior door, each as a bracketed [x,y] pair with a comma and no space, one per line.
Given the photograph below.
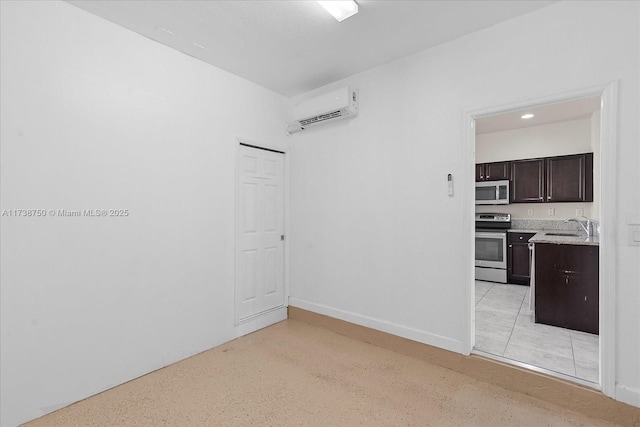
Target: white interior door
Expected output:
[259,232]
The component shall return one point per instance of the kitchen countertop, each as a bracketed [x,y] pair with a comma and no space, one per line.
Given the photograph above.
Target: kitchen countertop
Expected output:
[541,228]
[542,236]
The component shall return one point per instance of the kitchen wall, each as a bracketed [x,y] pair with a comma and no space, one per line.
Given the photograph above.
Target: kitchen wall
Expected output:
[97,117]
[375,238]
[556,139]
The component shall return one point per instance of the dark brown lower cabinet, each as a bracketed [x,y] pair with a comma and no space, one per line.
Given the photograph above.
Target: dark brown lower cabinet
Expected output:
[566,286]
[518,258]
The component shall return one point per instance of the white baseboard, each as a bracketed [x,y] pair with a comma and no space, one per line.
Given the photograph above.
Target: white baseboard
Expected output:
[260,321]
[381,325]
[630,396]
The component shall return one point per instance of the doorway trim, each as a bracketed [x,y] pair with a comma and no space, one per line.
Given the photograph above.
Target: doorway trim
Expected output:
[261,320]
[608,93]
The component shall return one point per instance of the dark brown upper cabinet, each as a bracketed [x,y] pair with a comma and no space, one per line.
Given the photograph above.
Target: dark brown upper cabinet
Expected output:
[570,178]
[528,181]
[553,179]
[495,171]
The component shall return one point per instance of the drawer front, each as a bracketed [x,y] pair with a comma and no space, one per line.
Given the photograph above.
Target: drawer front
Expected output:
[515,237]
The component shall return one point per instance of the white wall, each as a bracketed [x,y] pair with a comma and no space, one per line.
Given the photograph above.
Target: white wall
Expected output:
[555,139]
[95,116]
[376,239]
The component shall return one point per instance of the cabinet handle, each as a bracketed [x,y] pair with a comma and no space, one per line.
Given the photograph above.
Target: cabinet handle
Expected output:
[568,271]
[566,280]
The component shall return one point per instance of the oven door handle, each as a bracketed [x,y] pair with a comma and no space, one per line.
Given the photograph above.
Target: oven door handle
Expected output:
[491,234]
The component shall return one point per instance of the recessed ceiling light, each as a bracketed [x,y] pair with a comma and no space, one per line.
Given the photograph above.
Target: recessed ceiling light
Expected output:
[340,10]
[526,116]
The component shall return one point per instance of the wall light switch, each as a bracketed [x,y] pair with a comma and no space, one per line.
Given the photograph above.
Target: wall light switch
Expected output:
[552,211]
[634,235]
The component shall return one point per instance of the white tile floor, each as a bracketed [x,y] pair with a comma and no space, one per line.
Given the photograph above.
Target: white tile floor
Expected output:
[505,327]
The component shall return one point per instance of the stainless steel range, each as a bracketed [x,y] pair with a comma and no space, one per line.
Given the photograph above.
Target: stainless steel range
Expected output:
[491,246]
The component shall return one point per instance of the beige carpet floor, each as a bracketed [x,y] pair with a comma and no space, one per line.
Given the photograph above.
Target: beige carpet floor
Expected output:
[293,374]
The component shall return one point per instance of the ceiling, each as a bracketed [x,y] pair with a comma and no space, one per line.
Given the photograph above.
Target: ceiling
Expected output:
[292,47]
[543,114]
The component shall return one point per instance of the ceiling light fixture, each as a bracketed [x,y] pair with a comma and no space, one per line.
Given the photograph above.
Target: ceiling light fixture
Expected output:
[340,10]
[526,116]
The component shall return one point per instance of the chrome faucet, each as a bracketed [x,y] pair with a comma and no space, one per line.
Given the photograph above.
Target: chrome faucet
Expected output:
[586,227]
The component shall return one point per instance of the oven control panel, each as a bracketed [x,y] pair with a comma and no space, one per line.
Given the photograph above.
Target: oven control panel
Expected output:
[493,217]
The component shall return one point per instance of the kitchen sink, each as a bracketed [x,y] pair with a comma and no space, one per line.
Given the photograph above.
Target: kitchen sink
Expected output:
[562,234]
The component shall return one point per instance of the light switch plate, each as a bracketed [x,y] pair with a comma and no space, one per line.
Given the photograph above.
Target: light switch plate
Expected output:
[634,235]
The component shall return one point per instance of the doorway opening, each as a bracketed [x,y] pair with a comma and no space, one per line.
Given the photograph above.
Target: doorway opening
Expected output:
[503,315]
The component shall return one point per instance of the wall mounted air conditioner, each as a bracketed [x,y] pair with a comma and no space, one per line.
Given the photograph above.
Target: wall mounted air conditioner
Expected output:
[335,105]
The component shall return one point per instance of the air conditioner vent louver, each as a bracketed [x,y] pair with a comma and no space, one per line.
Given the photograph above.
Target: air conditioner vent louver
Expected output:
[338,104]
[320,118]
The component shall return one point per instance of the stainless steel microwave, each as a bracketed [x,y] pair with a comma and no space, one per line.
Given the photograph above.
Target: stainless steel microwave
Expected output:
[492,192]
